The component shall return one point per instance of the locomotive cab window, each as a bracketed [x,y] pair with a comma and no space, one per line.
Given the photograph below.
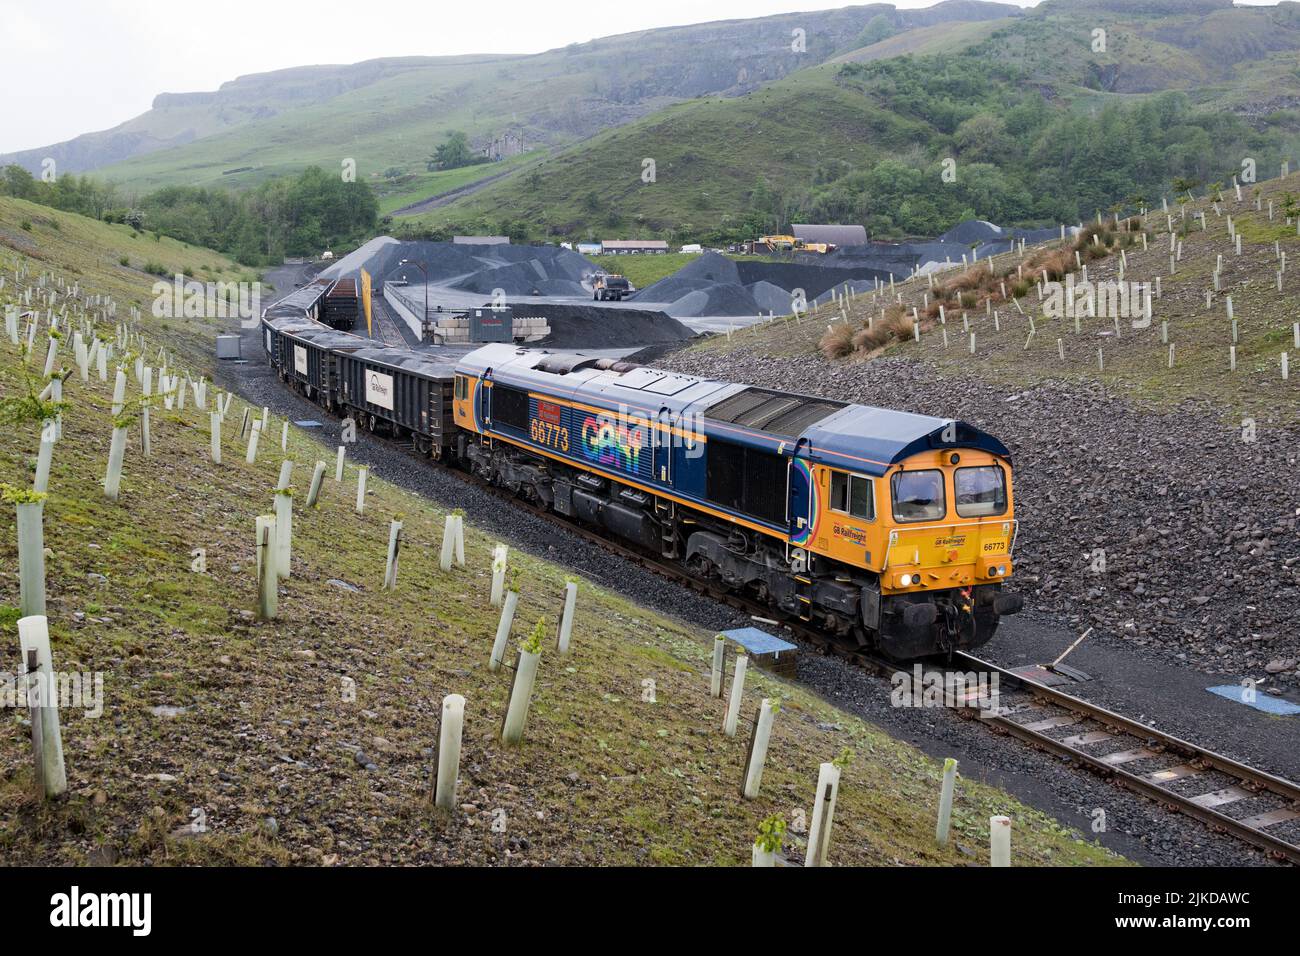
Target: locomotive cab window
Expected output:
[462,387]
[980,491]
[853,495]
[918,495]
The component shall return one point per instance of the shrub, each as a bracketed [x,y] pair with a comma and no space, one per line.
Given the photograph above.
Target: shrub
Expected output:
[837,341]
[896,326]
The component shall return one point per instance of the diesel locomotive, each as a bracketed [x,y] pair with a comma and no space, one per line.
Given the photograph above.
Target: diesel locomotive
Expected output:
[893,530]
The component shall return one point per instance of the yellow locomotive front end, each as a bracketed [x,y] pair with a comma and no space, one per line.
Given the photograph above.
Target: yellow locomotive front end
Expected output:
[936,531]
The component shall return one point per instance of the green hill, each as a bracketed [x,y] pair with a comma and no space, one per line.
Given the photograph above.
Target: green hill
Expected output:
[388,115]
[1046,127]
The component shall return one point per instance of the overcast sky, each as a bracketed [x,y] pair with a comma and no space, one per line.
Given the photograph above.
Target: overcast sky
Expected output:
[81,65]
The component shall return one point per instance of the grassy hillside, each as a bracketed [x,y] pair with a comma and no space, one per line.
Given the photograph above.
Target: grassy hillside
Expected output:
[710,155]
[1240,59]
[257,727]
[1003,98]
[390,114]
[924,41]
[118,261]
[1135,362]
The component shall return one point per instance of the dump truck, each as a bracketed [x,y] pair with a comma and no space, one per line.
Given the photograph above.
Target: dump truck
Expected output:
[610,287]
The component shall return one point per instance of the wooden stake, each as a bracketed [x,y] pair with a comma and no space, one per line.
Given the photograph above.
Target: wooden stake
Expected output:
[34,642]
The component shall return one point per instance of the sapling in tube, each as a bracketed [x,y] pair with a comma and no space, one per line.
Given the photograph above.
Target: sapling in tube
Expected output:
[521,692]
[250,455]
[51,353]
[499,554]
[317,477]
[45,457]
[146,392]
[819,832]
[267,579]
[394,545]
[34,643]
[758,748]
[504,625]
[566,619]
[719,665]
[116,452]
[459,515]
[771,838]
[945,801]
[448,542]
[283,531]
[119,392]
[30,506]
[449,737]
[999,841]
[215,419]
[737,692]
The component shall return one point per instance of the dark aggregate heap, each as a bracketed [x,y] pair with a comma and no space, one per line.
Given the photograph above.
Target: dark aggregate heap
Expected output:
[714,285]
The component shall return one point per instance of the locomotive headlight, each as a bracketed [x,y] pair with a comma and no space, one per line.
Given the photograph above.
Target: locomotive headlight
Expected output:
[907,580]
[1002,569]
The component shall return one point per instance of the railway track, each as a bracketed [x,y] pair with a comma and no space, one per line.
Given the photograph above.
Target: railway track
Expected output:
[1228,796]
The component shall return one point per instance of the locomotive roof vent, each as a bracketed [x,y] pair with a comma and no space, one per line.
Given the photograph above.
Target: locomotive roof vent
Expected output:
[780,413]
[562,363]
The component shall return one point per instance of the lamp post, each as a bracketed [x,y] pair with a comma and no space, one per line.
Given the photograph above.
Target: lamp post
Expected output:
[424,319]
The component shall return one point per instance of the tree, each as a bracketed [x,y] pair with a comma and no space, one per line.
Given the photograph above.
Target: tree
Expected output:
[983,139]
[18,182]
[452,154]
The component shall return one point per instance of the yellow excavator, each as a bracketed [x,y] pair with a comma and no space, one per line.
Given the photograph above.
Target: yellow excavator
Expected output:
[790,244]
